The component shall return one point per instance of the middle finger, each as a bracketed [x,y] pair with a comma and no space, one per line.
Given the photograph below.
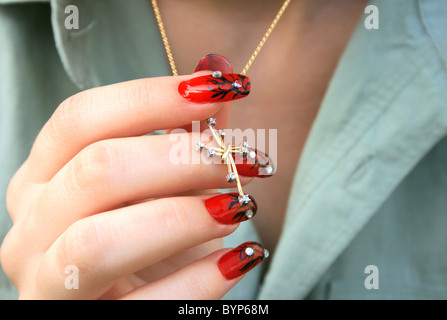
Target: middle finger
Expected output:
[110,173]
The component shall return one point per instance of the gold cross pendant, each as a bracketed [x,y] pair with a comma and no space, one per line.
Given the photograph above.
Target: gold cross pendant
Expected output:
[226,152]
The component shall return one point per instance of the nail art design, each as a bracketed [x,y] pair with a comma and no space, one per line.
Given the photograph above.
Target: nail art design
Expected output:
[229,208]
[254,163]
[242,259]
[217,87]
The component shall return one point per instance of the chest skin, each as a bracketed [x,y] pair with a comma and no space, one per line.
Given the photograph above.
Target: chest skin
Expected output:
[289,77]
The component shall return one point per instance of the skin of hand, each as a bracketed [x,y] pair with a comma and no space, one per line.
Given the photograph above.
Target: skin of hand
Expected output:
[99,194]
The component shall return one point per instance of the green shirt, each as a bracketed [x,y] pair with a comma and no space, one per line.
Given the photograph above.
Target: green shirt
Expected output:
[371,185]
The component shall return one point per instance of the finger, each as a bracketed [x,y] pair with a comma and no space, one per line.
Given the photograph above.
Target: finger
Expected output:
[121,110]
[115,244]
[209,278]
[213,63]
[111,173]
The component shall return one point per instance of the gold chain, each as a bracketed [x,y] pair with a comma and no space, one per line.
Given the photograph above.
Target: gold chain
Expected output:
[250,61]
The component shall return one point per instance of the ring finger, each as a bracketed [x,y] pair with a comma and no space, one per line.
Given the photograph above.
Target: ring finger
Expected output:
[117,243]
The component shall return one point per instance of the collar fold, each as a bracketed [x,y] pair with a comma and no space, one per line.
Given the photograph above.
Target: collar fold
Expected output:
[384,110]
[116,41]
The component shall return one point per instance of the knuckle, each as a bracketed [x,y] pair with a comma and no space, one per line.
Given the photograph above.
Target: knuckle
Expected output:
[19,188]
[92,169]
[10,258]
[68,118]
[146,91]
[196,289]
[13,196]
[81,246]
[132,93]
[176,217]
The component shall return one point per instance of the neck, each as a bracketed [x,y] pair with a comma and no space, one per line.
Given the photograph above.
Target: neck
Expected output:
[232,28]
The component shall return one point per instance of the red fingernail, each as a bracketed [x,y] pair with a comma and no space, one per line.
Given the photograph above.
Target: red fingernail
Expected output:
[228,208]
[214,62]
[241,259]
[254,163]
[217,87]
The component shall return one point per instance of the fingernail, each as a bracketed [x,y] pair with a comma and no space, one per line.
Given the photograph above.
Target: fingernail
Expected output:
[242,259]
[228,209]
[254,163]
[218,87]
[214,62]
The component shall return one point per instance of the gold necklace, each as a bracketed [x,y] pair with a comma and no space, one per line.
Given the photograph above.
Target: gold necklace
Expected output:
[226,152]
[250,61]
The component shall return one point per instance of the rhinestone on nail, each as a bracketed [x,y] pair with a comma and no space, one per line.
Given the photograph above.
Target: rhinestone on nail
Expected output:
[217,74]
[249,251]
[266,253]
[252,154]
[244,199]
[269,169]
[236,84]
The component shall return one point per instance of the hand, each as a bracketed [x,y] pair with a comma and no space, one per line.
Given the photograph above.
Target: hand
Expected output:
[97,194]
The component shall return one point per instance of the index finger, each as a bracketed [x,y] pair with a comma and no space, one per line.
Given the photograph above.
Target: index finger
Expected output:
[125,109]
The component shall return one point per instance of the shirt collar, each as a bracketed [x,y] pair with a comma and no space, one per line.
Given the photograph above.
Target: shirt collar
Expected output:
[21,1]
[383,111]
[115,42]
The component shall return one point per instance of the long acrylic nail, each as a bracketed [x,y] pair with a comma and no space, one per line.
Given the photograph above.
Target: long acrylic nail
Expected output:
[214,62]
[227,209]
[242,259]
[254,163]
[217,87]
